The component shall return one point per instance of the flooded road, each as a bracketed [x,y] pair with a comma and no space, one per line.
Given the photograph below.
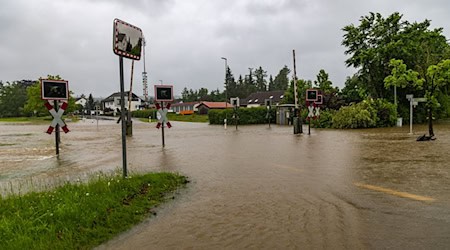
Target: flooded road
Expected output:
[260,187]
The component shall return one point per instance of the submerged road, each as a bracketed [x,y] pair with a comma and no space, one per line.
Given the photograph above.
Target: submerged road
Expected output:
[260,187]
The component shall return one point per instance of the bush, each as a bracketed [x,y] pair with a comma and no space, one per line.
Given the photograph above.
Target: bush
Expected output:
[246,116]
[325,120]
[144,113]
[366,114]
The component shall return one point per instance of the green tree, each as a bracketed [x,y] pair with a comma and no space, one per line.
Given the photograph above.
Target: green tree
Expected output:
[12,99]
[324,84]
[281,81]
[202,94]
[230,84]
[261,82]
[90,104]
[330,95]
[353,91]
[437,77]
[302,86]
[271,83]
[377,40]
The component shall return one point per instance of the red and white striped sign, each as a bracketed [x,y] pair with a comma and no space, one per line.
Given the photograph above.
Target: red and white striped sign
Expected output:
[127,41]
[57,117]
[163,113]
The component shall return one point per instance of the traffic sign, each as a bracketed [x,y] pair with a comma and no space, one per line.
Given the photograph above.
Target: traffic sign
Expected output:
[163,93]
[57,117]
[54,89]
[319,100]
[423,99]
[311,95]
[310,111]
[162,115]
[317,113]
[127,40]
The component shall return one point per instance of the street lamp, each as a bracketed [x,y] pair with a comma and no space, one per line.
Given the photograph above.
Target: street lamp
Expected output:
[226,92]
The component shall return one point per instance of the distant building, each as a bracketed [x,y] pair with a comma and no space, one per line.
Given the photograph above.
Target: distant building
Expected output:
[81,101]
[184,107]
[258,99]
[112,102]
[204,107]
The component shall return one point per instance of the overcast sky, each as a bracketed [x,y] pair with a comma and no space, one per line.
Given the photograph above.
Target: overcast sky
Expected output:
[186,38]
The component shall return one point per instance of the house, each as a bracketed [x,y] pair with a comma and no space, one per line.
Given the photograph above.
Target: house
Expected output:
[112,102]
[81,101]
[184,107]
[258,99]
[204,107]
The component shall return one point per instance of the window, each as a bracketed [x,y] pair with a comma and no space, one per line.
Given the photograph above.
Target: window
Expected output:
[249,101]
[271,97]
[256,100]
[281,96]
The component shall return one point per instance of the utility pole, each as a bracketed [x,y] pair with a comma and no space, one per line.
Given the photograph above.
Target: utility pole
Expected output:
[226,93]
[297,119]
[130,98]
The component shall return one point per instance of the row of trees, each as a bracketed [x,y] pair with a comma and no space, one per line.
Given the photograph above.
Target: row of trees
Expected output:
[23,98]
[255,81]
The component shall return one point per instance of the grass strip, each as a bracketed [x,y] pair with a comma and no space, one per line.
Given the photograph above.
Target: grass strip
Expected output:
[182,118]
[82,215]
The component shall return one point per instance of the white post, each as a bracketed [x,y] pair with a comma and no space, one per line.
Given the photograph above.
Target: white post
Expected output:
[410,116]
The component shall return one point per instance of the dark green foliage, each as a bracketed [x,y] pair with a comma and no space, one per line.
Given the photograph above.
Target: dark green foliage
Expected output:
[144,113]
[281,81]
[246,116]
[325,120]
[12,99]
[369,113]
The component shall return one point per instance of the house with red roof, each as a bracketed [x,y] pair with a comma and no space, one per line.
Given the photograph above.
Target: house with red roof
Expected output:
[204,107]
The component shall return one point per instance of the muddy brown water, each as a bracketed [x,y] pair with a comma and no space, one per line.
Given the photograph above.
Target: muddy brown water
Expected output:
[258,187]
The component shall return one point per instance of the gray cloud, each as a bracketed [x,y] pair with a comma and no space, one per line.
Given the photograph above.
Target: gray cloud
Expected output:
[186,39]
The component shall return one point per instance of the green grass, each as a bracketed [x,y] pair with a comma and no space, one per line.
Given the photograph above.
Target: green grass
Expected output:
[183,118]
[82,215]
[33,120]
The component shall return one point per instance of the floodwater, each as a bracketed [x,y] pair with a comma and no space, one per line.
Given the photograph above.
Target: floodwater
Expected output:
[259,187]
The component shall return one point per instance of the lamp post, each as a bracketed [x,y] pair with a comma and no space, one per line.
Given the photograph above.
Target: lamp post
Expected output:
[226,92]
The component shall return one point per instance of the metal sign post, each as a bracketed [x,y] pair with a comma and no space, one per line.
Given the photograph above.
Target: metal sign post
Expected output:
[162,119]
[413,102]
[268,103]
[97,112]
[122,118]
[57,135]
[127,42]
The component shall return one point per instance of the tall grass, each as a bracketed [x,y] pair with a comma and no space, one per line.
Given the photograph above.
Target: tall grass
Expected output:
[81,215]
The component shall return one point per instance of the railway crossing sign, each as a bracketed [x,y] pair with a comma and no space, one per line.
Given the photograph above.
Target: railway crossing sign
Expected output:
[162,116]
[57,117]
[317,113]
[310,111]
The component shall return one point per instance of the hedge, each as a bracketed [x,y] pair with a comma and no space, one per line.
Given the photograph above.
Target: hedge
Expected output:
[246,116]
[144,113]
